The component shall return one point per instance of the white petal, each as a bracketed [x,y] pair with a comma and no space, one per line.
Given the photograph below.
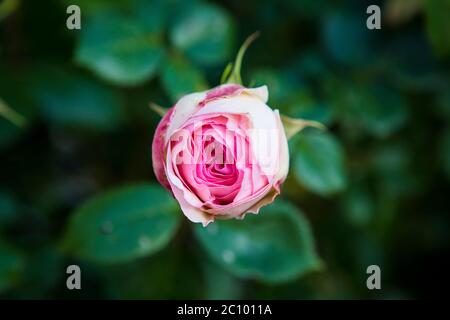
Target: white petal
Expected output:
[183,109]
[261,92]
[192,213]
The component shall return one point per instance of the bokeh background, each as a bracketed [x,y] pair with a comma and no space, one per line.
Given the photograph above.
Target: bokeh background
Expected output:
[76,181]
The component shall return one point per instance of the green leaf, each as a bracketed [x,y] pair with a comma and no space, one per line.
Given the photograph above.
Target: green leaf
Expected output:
[122,224]
[274,246]
[306,107]
[205,32]
[436,12]
[346,38]
[318,162]
[376,109]
[73,101]
[153,14]
[310,64]
[11,266]
[220,284]
[119,48]
[384,111]
[358,206]
[180,77]
[393,166]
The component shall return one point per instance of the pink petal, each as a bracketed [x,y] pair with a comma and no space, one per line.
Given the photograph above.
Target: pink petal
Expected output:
[158,152]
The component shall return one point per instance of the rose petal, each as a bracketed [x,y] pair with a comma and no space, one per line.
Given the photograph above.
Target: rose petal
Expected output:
[265,133]
[158,152]
[192,213]
[183,110]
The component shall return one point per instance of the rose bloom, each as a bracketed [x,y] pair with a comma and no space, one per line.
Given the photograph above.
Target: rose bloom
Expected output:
[222,153]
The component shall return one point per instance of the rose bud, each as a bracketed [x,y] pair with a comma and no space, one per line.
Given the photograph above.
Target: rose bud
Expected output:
[222,153]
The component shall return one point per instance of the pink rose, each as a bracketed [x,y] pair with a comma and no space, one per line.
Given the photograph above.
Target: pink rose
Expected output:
[222,153]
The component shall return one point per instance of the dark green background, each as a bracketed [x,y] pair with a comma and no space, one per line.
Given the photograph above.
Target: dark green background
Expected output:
[76,181]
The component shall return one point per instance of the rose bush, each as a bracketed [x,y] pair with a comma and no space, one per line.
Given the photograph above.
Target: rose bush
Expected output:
[222,153]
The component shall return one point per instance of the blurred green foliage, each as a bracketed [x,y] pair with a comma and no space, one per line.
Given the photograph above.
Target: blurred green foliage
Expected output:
[275,249]
[132,222]
[76,181]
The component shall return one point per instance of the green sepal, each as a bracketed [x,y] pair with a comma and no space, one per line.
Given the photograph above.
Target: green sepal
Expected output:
[232,72]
